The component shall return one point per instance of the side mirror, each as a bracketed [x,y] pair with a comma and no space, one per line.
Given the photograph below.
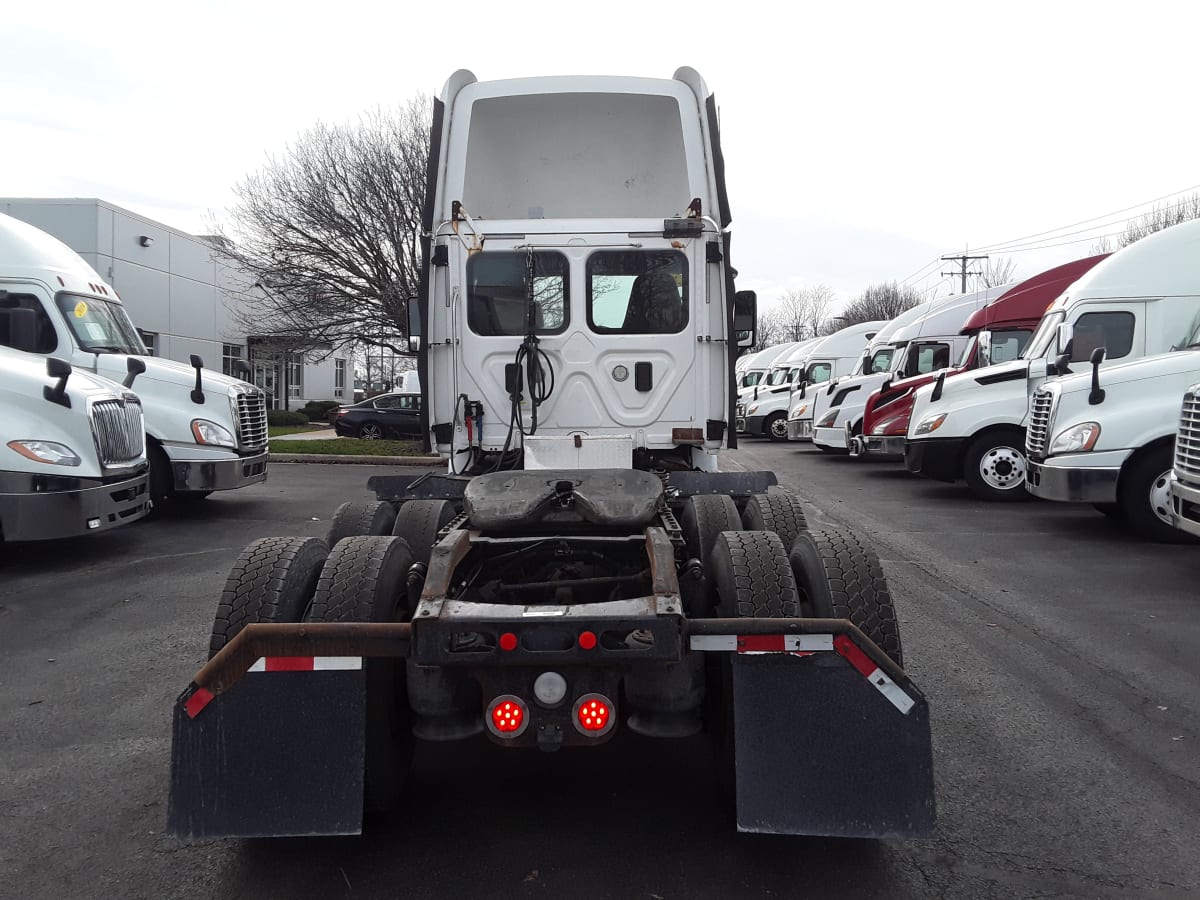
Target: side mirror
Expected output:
[414,325]
[1097,393]
[745,317]
[133,368]
[983,348]
[1063,337]
[198,390]
[1062,364]
[60,369]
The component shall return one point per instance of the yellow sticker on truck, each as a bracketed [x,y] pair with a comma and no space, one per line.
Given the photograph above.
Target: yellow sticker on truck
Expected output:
[80,309]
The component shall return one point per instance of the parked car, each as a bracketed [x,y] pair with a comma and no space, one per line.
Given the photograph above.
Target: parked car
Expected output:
[388,415]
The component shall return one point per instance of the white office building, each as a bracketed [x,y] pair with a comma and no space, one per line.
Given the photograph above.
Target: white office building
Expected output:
[181,297]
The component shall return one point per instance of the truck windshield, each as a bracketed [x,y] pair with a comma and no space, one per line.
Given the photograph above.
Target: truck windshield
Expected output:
[750,379]
[100,326]
[1044,336]
[777,376]
[1005,344]
[881,360]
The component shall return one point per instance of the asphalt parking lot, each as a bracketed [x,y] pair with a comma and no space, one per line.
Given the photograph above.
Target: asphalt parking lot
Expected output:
[1060,658]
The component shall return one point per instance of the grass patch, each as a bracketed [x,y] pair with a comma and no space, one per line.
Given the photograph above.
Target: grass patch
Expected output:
[349,447]
[281,430]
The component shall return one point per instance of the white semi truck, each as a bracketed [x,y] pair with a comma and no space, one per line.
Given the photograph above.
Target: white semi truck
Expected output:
[770,395]
[72,445]
[583,568]
[1135,303]
[1109,438]
[1185,474]
[205,431]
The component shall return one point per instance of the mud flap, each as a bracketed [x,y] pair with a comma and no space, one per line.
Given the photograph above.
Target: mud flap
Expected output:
[820,750]
[280,754]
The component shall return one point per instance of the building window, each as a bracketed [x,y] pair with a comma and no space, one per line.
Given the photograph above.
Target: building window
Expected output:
[295,365]
[231,354]
[339,378]
[150,339]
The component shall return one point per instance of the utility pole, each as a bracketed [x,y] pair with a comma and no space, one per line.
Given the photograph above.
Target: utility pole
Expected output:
[962,261]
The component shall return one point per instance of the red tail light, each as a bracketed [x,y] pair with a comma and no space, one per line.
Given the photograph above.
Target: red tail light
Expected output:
[594,714]
[507,716]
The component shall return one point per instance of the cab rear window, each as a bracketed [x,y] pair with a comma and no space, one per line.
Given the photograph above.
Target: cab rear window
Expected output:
[637,292]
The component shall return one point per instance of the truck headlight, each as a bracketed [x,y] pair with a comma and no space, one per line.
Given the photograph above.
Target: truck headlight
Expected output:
[46,452]
[930,424]
[752,410]
[828,419]
[799,411]
[1077,438]
[207,432]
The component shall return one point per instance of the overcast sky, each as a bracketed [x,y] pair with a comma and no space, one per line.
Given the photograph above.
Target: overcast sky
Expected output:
[862,140]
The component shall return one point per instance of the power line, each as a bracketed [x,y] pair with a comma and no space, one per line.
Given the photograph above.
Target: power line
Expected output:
[962,261]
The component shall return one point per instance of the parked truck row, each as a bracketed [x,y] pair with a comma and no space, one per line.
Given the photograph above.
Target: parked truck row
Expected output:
[198,431]
[1067,386]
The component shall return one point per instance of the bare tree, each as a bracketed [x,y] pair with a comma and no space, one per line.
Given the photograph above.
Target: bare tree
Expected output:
[1182,210]
[800,314]
[327,236]
[880,302]
[769,330]
[998,271]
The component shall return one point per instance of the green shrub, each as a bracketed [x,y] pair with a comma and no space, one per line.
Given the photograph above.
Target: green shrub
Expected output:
[286,417]
[318,410]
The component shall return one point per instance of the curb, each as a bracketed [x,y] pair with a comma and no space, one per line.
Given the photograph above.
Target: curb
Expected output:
[419,461]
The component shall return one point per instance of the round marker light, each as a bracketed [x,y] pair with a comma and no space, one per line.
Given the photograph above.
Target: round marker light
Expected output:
[508,641]
[587,640]
[550,689]
[594,715]
[507,716]
[620,373]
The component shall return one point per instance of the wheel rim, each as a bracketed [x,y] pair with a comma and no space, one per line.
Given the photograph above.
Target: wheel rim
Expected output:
[779,428]
[1002,468]
[371,432]
[1160,497]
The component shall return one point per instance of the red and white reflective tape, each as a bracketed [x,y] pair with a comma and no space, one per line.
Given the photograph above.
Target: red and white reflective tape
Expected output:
[803,645]
[305,663]
[762,643]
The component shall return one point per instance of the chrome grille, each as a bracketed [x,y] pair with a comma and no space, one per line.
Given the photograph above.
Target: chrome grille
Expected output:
[1037,435]
[119,431]
[252,419]
[1187,441]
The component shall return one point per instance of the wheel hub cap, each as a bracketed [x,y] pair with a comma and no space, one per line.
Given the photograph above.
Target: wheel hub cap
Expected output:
[1002,468]
[1160,497]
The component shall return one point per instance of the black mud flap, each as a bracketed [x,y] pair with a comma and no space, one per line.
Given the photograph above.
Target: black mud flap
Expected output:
[280,754]
[821,750]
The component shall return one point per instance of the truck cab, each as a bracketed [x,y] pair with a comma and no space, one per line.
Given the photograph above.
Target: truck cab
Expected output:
[567,326]
[997,333]
[73,449]
[1135,303]
[205,431]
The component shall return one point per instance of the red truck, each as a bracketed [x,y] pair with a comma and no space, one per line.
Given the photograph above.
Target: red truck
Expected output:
[1000,331]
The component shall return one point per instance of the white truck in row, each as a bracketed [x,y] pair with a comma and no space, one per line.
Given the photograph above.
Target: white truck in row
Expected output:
[205,431]
[1142,301]
[72,457]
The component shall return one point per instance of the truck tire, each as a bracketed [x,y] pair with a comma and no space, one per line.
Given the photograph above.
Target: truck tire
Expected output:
[1142,494]
[840,577]
[273,580]
[704,517]
[419,522]
[994,465]
[775,427]
[752,576]
[777,511]
[1112,510]
[365,580]
[352,519]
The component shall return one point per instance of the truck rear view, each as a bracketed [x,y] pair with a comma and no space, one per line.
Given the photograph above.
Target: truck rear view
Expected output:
[583,568]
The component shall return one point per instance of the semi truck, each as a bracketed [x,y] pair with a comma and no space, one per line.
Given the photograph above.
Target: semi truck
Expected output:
[73,450]
[1184,484]
[205,431]
[971,426]
[581,569]
[1109,439]
[926,344]
[771,395]
[997,333]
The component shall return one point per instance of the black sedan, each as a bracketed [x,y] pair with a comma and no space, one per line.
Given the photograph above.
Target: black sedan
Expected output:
[385,416]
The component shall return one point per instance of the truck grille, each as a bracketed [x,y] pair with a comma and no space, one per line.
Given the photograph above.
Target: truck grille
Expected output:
[1187,441]
[1041,408]
[119,431]
[252,419]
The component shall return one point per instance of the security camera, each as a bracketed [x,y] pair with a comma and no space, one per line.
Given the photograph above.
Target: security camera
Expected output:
[145,240]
